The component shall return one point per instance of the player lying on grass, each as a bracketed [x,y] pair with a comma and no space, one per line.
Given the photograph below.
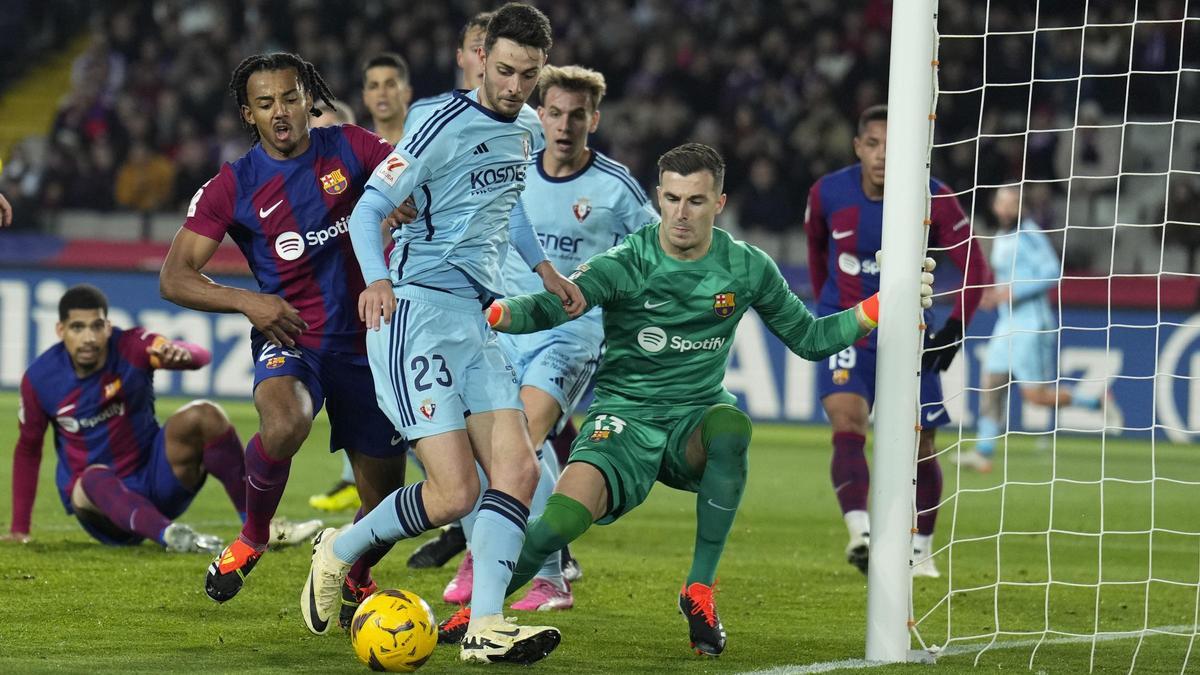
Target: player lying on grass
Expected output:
[673,294]
[122,475]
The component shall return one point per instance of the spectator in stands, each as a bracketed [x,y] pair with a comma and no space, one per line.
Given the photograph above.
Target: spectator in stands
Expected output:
[766,212]
[146,180]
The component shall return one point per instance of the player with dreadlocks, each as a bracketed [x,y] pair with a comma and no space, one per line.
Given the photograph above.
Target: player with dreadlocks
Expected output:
[286,204]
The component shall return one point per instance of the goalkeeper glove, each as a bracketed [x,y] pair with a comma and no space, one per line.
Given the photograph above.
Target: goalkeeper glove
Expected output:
[940,347]
[868,310]
[496,313]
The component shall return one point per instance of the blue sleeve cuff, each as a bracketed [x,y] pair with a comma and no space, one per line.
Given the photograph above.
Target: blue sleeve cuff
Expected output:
[524,238]
[370,211]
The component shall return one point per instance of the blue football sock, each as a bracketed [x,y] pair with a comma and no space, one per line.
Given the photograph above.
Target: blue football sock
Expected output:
[988,429]
[401,515]
[347,469]
[495,546]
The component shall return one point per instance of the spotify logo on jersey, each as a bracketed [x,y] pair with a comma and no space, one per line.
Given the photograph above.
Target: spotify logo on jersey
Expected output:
[652,339]
[289,245]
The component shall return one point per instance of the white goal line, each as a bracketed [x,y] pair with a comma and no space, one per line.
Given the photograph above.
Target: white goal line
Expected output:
[958,650]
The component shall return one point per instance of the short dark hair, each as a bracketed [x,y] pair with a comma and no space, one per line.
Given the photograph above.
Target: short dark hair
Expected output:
[480,21]
[387,60]
[82,296]
[523,24]
[310,79]
[689,158]
[876,113]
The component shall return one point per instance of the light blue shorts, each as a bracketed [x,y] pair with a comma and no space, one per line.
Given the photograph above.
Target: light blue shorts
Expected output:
[556,362]
[1028,355]
[437,362]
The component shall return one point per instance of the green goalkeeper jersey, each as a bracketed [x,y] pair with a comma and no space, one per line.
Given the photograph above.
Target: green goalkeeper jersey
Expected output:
[669,323]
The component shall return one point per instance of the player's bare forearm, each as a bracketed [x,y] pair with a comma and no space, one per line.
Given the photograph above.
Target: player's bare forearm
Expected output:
[182,282]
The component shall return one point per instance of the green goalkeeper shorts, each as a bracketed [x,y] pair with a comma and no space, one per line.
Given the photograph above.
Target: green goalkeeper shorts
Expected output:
[634,447]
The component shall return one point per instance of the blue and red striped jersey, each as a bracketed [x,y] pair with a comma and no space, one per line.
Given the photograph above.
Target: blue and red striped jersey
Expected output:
[104,418]
[290,219]
[845,229]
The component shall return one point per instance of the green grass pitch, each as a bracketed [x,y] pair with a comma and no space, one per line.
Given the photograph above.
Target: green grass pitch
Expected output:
[786,595]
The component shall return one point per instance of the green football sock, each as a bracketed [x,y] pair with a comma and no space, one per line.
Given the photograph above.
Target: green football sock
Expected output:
[725,433]
[563,521]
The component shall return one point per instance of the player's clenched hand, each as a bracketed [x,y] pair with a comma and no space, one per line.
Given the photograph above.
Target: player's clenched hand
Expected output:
[401,215]
[566,290]
[375,301]
[275,318]
[167,354]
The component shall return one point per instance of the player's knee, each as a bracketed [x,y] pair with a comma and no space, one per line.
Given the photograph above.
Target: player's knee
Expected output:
[731,425]
[282,434]
[203,418]
[451,497]
[79,495]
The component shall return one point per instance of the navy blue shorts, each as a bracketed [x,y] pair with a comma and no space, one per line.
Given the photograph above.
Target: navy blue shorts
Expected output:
[154,481]
[852,370]
[340,382]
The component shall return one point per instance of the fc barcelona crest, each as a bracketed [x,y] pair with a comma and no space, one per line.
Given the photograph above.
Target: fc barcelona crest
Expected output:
[723,304]
[582,209]
[334,182]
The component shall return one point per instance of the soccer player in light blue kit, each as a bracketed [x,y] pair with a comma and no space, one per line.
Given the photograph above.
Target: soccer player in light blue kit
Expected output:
[581,203]
[440,373]
[1023,340]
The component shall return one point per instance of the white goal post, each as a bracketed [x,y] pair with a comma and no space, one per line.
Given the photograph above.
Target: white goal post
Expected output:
[1084,541]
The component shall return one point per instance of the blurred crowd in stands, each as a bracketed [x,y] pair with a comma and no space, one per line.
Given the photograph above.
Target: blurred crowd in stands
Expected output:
[775,85]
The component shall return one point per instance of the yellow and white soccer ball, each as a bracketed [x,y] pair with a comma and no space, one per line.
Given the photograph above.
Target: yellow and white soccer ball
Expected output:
[393,631]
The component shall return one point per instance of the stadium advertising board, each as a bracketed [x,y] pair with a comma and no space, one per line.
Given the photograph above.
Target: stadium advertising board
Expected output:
[770,382]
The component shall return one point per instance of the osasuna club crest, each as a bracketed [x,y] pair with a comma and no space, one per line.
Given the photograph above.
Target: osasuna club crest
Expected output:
[723,304]
[582,209]
[427,408]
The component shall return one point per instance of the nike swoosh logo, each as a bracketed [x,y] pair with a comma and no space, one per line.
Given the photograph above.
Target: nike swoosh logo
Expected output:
[510,633]
[263,213]
[959,224]
[655,305]
[65,409]
[397,440]
[931,416]
[718,506]
[841,234]
[317,622]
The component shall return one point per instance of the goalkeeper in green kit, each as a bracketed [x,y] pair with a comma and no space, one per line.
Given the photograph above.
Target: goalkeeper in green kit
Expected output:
[672,295]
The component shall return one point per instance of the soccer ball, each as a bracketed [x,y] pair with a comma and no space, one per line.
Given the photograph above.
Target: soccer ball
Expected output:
[393,631]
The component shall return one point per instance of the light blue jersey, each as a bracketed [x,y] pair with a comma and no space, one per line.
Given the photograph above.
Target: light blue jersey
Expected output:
[422,108]
[1026,259]
[1023,342]
[465,168]
[577,217]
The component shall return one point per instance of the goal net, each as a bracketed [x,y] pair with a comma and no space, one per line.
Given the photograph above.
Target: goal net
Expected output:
[1078,548]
